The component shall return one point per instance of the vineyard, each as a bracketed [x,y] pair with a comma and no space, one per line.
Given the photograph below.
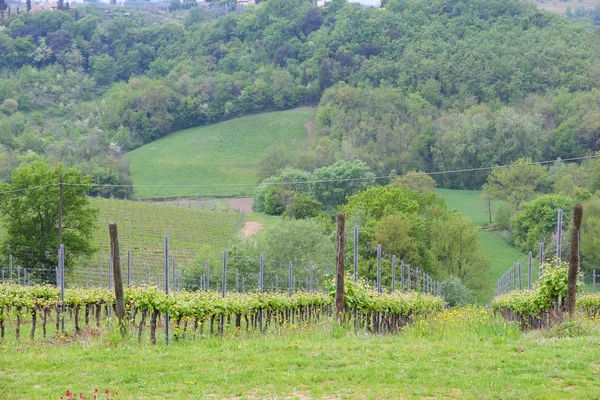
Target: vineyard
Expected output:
[542,306]
[199,313]
[142,229]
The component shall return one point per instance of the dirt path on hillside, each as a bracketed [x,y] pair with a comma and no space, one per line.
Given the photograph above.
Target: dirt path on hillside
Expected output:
[242,204]
[250,228]
[309,132]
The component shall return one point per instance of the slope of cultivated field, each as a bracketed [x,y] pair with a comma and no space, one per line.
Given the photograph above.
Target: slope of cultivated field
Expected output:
[142,229]
[224,153]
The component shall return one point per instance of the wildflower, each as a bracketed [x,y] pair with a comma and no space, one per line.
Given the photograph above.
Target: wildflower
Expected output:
[68,393]
[106,391]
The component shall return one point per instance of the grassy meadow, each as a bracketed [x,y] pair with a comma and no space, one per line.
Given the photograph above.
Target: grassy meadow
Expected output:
[224,153]
[469,204]
[463,353]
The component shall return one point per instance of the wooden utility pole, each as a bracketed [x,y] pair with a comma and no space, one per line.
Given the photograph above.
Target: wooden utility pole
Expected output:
[116,262]
[574,260]
[339,281]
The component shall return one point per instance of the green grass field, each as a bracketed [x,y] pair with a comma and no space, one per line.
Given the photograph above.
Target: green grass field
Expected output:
[469,204]
[459,354]
[224,153]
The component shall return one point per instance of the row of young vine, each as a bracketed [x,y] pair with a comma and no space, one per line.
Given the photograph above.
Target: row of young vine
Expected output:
[39,307]
[543,305]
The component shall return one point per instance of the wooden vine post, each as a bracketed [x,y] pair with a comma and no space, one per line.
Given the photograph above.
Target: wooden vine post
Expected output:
[339,281]
[116,262]
[574,260]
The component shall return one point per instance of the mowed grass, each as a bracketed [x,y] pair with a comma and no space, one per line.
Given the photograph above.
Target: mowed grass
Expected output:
[220,154]
[470,204]
[478,357]
[503,256]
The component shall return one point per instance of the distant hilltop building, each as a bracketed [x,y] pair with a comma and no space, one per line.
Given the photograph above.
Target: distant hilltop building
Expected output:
[364,3]
[244,3]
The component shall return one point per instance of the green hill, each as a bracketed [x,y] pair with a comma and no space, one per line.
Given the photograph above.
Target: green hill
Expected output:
[220,154]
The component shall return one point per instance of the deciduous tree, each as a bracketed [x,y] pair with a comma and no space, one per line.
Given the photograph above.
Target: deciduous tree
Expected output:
[29,211]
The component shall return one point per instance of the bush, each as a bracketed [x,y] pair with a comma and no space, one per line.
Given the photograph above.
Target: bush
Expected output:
[303,206]
[9,106]
[455,293]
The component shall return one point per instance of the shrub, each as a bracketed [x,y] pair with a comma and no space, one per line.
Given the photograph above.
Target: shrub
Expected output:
[455,293]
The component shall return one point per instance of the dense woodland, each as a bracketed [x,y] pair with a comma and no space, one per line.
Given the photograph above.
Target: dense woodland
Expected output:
[416,85]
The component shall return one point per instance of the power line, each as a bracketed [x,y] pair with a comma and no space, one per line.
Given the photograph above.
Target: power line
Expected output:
[375,178]
[465,170]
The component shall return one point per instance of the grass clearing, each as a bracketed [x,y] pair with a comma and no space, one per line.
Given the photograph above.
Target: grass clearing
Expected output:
[503,256]
[224,153]
[465,353]
[469,204]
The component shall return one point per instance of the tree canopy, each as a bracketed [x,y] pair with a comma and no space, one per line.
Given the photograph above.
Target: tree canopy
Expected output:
[29,211]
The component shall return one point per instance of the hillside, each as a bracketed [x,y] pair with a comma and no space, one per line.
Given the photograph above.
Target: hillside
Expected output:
[220,154]
[85,89]
[142,229]
[468,203]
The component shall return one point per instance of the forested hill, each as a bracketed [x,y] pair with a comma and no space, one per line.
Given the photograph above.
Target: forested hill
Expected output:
[418,84]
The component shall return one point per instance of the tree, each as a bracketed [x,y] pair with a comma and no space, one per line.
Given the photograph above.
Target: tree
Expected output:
[417,181]
[302,241]
[334,183]
[537,219]
[104,69]
[28,4]
[59,40]
[455,243]
[29,211]
[394,234]
[9,107]
[303,206]
[590,234]
[518,183]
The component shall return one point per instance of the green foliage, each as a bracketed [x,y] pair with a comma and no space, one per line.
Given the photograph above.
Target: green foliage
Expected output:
[516,184]
[304,242]
[416,181]
[590,234]
[9,107]
[389,98]
[537,219]
[550,289]
[419,229]
[455,243]
[274,200]
[333,184]
[366,299]
[275,193]
[303,206]
[29,210]
[379,201]
[455,293]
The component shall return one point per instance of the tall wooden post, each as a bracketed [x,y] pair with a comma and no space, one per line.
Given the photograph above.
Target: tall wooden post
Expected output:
[574,260]
[116,270]
[339,281]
